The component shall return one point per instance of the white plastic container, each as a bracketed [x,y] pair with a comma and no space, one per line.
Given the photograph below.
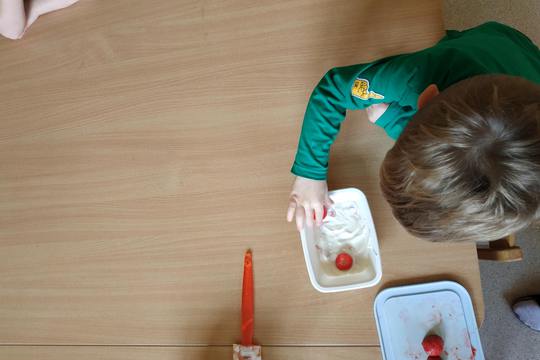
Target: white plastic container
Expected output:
[367,273]
[406,314]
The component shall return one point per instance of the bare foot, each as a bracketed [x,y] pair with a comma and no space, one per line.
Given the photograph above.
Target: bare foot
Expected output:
[15,19]
[37,8]
[12,18]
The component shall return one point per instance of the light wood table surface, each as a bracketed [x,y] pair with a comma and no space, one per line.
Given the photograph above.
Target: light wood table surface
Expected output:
[145,145]
[182,353]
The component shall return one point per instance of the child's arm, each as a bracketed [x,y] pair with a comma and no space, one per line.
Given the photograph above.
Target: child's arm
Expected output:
[341,89]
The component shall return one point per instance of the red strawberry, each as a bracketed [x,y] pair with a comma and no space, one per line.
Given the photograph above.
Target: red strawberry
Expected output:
[433,345]
[344,261]
[325,212]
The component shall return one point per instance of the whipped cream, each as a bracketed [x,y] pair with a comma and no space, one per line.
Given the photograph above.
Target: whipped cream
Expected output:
[343,230]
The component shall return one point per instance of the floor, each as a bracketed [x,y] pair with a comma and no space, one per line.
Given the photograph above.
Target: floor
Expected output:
[503,336]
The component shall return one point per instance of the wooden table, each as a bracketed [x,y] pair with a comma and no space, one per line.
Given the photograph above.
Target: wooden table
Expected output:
[145,145]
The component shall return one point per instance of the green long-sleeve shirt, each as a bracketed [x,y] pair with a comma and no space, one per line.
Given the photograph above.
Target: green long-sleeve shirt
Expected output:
[491,48]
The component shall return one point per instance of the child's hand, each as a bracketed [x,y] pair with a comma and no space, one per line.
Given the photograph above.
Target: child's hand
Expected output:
[308,197]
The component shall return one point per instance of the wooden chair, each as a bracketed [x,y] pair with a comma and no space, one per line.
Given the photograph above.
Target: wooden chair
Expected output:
[504,250]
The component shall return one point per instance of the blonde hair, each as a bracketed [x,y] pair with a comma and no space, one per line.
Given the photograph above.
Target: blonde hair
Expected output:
[467,166]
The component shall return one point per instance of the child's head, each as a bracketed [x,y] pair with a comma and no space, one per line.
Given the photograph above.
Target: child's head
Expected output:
[467,166]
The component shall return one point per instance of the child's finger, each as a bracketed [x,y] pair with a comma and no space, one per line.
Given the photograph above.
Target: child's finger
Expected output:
[290,211]
[309,215]
[300,218]
[318,214]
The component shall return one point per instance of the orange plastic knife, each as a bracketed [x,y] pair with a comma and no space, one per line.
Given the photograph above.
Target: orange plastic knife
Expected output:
[247,351]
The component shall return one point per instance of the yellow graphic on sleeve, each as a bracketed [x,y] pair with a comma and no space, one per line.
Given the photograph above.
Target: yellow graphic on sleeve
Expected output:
[360,90]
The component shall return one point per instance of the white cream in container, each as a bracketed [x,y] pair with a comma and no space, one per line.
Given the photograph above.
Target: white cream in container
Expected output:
[343,230]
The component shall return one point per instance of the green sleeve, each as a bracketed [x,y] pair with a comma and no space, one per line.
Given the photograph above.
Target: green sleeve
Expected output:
[395,119]
[341,89]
